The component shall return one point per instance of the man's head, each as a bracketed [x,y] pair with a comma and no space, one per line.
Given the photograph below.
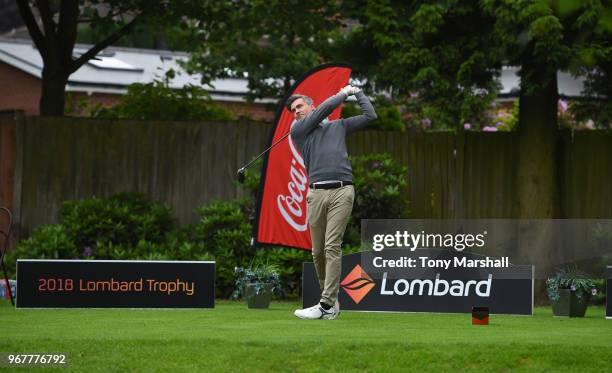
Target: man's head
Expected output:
[300,106]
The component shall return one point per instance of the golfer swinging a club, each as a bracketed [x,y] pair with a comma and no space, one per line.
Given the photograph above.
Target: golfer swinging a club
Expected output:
[331,194]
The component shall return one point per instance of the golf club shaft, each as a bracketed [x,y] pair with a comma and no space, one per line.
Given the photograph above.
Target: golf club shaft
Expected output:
[265,151]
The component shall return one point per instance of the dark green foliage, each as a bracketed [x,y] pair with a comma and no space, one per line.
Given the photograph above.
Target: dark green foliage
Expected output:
[572,279]
[150,33]
[252,179]
[271,44]
[224,230]
[53,29]
[258,274]
[389,118]
[597,103]
[350,110]
[122,219]
[289,262]
[599,299]
[389,115]
[47,242]
[157,101]
[225,233]
[380,192]
[123,226]
[429,57]
[380,184]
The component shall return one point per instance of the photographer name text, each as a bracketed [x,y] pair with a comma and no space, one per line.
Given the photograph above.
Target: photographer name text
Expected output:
[427,262]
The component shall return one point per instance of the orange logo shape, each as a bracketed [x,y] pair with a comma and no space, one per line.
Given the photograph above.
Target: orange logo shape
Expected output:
[357,284]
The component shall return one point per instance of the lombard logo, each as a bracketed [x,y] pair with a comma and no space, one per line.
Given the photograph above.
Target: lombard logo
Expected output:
[437,287]
[357,284]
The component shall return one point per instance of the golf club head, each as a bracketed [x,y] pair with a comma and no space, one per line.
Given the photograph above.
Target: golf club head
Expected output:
[241,175]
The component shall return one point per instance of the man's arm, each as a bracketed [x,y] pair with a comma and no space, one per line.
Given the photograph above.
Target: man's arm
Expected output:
[357,122]
[303,127]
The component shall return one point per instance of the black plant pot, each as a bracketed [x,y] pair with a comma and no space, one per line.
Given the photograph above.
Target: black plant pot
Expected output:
[569,304]
[261,300]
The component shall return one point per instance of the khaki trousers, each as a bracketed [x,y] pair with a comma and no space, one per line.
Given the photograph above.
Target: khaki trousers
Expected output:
[328,213]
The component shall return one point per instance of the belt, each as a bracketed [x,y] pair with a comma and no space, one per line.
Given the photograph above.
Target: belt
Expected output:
[335,185]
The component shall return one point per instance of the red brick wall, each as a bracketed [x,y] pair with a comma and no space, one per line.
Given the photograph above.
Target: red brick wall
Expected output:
[8,149]
[74,102]
[7,161]
[240,109]
[250,110]
[18,90]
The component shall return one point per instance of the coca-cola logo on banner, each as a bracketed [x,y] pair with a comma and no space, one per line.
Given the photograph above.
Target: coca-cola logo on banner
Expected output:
[291,206]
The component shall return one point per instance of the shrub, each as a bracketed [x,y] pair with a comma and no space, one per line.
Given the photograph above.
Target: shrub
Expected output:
[123,226]
[389,115]
[258,274]
[289,263]
[123,219]
[46,242]
[225,233]
[599,299]
[380,192]
[158,101]
[572,279]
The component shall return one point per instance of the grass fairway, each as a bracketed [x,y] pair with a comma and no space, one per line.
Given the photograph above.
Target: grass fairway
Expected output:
[233,338]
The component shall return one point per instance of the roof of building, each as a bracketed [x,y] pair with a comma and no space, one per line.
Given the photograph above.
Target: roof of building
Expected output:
[117,67]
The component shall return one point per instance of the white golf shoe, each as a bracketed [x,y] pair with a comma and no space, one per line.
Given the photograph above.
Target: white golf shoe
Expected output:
[316,312]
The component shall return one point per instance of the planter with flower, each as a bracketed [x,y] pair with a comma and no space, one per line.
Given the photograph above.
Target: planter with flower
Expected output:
[257,283]
[569,292]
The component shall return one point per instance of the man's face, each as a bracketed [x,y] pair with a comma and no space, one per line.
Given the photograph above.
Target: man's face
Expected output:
[300,108]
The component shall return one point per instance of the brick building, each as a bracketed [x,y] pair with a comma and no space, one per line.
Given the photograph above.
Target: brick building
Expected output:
[104,79]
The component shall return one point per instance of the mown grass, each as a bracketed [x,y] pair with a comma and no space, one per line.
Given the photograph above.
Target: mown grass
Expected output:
[233,338]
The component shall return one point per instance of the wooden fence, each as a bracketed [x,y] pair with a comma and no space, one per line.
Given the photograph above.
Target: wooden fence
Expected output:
[45,161]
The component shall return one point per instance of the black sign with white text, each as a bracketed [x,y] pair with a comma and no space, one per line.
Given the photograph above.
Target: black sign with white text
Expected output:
[432,280]
[115,284]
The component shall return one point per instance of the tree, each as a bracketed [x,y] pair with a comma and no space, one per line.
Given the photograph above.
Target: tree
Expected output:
[56,33]
[543,37]
[448,53]
[596,103]
[270,43]
[149,35]
[431,58]
[438,58]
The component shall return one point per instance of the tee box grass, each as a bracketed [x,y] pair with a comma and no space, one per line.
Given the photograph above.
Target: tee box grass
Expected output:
[231,337]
